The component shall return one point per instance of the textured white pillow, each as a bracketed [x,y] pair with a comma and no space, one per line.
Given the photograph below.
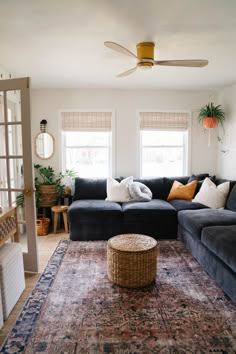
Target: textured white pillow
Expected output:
[139,192]
[211,195]
[118,192]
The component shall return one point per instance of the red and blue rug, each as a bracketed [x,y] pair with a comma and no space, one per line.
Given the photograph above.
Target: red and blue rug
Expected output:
[75,309]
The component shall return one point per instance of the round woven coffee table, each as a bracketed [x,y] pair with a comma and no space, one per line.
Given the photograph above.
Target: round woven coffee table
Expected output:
[132,260]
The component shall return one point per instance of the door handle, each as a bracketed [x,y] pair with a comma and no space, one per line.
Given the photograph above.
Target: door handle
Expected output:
[28,191]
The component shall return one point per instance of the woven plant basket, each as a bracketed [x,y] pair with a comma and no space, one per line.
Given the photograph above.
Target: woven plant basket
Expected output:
[48,195]
[42,226]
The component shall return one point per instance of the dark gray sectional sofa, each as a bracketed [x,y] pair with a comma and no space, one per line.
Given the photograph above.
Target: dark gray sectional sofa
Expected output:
[210,234]
[91,217]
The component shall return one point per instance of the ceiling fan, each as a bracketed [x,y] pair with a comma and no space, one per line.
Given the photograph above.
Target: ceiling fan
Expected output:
[145,57]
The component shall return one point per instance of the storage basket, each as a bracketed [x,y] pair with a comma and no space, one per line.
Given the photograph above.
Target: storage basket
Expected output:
[42,226]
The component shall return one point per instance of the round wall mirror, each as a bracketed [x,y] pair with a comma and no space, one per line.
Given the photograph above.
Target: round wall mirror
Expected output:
[44,145]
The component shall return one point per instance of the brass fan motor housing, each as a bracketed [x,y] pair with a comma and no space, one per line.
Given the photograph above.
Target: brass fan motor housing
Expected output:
[145,50]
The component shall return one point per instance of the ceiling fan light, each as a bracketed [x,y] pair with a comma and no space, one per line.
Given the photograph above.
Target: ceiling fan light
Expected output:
[144,65]
[145,68]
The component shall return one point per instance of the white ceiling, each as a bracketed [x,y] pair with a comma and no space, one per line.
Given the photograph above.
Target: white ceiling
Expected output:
[60,43]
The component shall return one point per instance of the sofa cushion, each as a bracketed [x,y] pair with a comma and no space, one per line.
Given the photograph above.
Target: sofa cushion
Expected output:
[91,188]
[182,191]
[168,183]
[231,201]
[211,195]
[200,178]
[156,185]
[195,220]
[221,240]
[118,191]
[180,204]
[148,211]
[94,210]
[222,180]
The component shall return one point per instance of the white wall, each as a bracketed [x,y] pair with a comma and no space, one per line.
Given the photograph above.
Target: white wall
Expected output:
[226,161]
[47,103]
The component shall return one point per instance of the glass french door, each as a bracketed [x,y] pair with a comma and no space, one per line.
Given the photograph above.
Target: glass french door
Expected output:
[16,166]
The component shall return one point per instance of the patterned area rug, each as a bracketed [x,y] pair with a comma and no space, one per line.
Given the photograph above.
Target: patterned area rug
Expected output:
[75,309]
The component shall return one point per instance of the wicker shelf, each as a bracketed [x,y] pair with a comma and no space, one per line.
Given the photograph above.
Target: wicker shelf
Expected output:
[8,225]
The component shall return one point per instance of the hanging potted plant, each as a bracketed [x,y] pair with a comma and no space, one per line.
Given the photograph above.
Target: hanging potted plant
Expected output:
[211,116]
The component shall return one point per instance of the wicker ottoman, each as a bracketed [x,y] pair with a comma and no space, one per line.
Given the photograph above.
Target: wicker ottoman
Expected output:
[132,260]
[12,280]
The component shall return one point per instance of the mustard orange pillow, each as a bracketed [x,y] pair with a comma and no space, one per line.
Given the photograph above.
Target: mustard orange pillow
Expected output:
[182,191]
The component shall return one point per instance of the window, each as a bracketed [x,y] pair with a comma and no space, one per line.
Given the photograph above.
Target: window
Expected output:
[164,143]
[87,143]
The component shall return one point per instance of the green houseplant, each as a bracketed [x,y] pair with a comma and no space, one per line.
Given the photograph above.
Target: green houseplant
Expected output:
[211,116]
[49,186]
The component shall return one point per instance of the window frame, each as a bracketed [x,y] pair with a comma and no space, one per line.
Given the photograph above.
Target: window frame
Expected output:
[111,148]
[186,137]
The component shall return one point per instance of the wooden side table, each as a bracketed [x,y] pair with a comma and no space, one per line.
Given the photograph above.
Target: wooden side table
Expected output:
[57,209]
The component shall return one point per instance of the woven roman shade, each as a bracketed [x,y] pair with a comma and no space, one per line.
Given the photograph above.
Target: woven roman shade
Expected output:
[164,121]
[77,121]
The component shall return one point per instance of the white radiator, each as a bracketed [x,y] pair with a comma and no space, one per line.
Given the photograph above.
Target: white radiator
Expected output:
[1,314]
[12,280]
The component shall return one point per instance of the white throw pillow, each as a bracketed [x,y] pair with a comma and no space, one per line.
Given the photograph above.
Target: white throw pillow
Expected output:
[118,192]
[211,195]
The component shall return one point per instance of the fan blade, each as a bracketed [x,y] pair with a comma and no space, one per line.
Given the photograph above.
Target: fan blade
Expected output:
[119,48]
[128,72]
[194,63]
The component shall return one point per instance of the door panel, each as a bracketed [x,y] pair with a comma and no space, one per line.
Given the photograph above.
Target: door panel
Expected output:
[16,167]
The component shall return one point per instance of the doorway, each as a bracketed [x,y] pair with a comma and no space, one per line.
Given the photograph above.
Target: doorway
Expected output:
[16,166]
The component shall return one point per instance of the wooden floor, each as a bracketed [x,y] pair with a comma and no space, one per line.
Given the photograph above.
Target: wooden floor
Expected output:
[46,246]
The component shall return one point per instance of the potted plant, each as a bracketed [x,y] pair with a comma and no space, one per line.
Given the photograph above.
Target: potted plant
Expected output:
[211,116]
[49,186]
[46,185]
